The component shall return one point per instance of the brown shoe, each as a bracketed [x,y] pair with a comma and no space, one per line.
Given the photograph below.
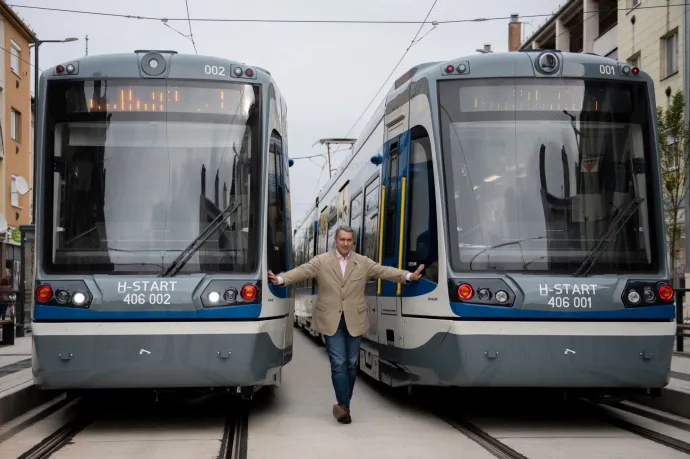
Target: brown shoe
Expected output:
[342,414]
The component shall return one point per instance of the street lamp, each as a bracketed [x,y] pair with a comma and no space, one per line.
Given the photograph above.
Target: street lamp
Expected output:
[35,45]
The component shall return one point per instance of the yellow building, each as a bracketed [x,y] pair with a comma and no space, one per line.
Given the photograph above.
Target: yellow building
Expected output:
[16,151]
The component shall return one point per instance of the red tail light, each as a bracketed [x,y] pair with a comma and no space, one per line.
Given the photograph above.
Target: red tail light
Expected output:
[665,292]
[465,292]
[44,293]
[248,292]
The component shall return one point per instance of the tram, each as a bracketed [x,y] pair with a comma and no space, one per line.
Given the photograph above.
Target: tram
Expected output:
[529,184]
[162,200]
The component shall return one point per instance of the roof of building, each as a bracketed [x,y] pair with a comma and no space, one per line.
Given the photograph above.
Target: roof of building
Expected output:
[566,6]
[10,14]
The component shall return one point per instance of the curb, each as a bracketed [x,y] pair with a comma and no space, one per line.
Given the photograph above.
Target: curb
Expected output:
[22,400]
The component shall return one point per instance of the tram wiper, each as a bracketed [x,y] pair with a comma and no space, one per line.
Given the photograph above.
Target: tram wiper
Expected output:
[503,244]
[616,225]
[195,245]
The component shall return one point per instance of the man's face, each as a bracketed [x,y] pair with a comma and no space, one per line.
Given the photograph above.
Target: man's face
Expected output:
[343,242]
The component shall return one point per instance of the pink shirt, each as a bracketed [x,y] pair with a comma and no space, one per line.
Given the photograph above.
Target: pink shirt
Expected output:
[343,266]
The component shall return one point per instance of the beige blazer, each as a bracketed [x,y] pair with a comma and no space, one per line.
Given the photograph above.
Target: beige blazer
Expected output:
[340,294]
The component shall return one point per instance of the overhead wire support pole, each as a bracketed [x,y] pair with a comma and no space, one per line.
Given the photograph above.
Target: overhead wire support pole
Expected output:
[686,119]
[328,143]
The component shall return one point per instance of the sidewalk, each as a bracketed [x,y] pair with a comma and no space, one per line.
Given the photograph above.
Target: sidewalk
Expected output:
[17,392]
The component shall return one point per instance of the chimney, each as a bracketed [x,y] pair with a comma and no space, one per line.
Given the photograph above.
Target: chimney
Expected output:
[514,33]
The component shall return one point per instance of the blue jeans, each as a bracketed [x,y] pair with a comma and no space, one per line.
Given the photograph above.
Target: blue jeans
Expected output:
[343,351]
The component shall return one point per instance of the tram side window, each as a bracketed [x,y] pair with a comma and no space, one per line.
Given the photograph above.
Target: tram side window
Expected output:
[277,260]
[422,244]
[392,199]
[371,220]
[356,220]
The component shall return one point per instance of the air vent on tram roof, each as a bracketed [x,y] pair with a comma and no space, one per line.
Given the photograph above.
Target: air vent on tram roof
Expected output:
[162,51]
[539,50]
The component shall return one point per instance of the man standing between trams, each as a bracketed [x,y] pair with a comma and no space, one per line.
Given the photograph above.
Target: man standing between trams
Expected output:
[341,311]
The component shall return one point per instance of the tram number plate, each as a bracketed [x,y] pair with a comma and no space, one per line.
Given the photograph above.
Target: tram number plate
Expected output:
[146,292]
[147,298]
[578,302]
[569,296]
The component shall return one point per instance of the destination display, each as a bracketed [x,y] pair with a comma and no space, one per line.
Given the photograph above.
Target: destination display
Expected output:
[105,96]
[573,96]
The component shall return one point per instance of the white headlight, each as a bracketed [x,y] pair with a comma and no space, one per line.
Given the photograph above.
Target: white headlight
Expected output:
[214,297]
[78,298]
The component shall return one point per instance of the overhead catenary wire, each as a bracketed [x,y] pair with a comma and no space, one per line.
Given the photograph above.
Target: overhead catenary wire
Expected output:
[189,21]
[319,21]
[412,43]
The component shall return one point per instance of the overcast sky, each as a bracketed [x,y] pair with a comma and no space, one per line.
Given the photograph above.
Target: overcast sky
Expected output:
[328,73]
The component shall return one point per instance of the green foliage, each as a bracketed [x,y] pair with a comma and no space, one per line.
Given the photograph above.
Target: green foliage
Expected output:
[674,155]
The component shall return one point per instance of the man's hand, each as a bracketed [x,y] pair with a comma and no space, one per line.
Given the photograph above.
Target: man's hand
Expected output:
[273,278]
[415,276]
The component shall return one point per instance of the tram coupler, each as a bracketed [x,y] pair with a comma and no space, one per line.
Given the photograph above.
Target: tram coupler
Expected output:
[244,392]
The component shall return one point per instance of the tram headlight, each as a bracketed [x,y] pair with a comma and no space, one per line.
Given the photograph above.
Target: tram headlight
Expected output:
[501,296]
[62,296]
[78,298]
[214,297]
[634,297]
[230,294]
[649,295]
[483,294]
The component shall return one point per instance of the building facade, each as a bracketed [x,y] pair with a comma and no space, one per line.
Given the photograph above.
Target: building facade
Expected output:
[15,124]
[579,26]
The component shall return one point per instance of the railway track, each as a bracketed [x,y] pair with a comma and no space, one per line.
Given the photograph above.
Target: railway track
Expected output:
[657,437]
[503,451]
[605,414]
[233,443]
[59,438]
[483,439]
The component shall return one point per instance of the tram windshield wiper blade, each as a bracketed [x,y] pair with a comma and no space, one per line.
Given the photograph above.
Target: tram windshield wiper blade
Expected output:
[616,225]
[503,244]
[195,245]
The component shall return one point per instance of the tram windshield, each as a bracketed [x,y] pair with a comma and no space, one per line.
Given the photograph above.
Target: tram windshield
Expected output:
[138,169]
[539,172]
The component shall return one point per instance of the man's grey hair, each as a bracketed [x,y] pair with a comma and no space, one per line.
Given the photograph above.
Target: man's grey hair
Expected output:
[347,229]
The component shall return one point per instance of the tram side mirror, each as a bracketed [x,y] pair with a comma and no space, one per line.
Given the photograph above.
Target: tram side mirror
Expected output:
[21,185]
[291,162]
[377,159]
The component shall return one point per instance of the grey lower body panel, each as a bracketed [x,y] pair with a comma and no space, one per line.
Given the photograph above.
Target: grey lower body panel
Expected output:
[157,361]
[557,361]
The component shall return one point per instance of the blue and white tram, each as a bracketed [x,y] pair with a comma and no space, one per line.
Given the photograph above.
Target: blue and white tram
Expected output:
[529,185]
[162,200]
